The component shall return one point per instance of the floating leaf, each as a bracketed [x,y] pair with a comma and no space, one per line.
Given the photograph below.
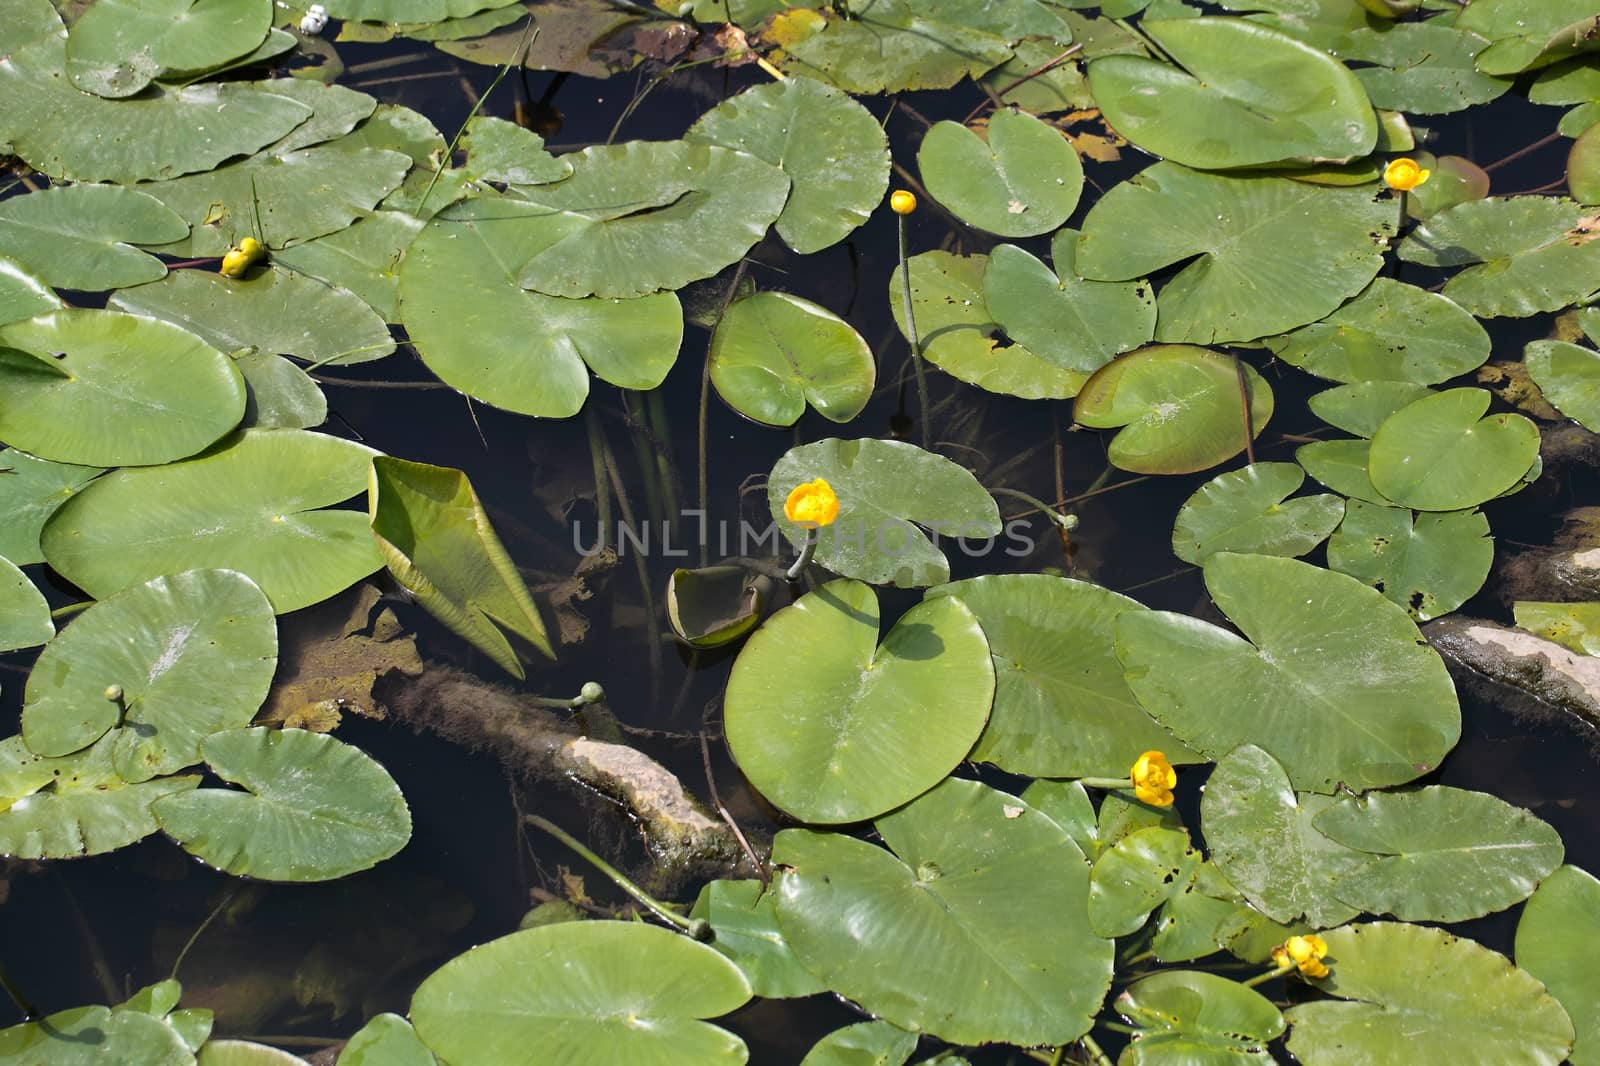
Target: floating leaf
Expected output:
[407,10]
[316,808]
[1024,181]
[1196,1019]
[833,150]
[1137,874]
[249,504]
[744,927]
[1274,254]
[872,1043]
[386,1040]
[583,992]
[117,47]
[1061,707]
[1572,625]
[715,605]
[244,1053]
[1447,854]
[1391,332]
[1337,685]
[24,612]
[1246,511]
[22,295]
[1429,565]
[773,353]
[1180,408]
[365,258]
[438,544]
[946,936]
[1415,987]
[1421,68]
[81,236]
[523,351]
[1455,180]
[30,491]
[1067,321]
[1244,95]
[274,311]
[883,487]
[503,151]
[100,388]
[1569,377]
[282,396]
[1438,454]
[1361,407]
[193,653]
[89,1036]
[1341,465]
[858,729]
[1530,33]
[1557,938]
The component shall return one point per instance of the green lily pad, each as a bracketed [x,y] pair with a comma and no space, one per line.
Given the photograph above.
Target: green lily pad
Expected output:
[1121,814]
[274,311]
[1438,454]
[30,491]
[1337,685]
[1341,465]
[1067,321]
[715,605]
[1262,835]
[1067,803]
[244,1053]
[82,236]
[1060,88]
[1023,181]
[959,334]
[1569,377]
[1446,999]
[1391,332]
[1455,180]
[744,927]
[100,388]
[872,1043]
[883,487]
[194,653]
[644,216]
[1274,254]
[282,396]
[1180,408]
[386,1040]
[1530,33]
[316,808]
[1061,707]
[1243,95]
[1196,1019]
[833,150]
[365,258]
[1430,564]
[250,504]
[503,151]
[1556,940]
[1249,510]
[861,728]
[1137,874]
[773,353]
[1572,625]
[23,295]
[117,47]
[24,612]
[1571,81]
[401,11]
[439,545]
[76,805]
[583,992]
[335,111]
[482,333]
[1421,68]
[1447,854]
[1202,919]
[1536,254]
[88,1036]
[1583,167]
[1362,406]
[945,935]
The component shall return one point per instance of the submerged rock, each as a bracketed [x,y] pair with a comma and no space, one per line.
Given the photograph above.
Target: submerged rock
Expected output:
[1507,657]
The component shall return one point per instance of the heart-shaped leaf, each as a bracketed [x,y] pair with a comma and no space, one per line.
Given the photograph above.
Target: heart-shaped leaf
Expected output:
[1249,511]
[1530,33]
[117,47]
[23,295]
[82,236]
[1557,938]
[1421,68]
[1430,564]
[1569,377]
[744,925]
[1023,181]
[386,1040]
[1137,874]
[85,1036]
[503,151]
[773,353]
[1361,407]
[1439,454]
[1341,465]
[281,395]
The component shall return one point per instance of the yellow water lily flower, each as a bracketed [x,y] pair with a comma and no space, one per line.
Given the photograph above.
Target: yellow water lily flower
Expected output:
[812,504]
[1304,953]
[1153,777]
[238,260]
[1404,174]
[902,202]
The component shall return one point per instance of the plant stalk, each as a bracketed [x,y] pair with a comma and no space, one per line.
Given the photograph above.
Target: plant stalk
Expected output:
[696,928]
[911,330]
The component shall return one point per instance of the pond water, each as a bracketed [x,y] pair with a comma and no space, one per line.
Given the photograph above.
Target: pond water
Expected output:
[304,965]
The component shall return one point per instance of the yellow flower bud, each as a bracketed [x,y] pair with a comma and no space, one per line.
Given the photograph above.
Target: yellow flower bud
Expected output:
[1404,174]
[234,264]
[1153,777]
[902,202]
[252,248]
[812,504]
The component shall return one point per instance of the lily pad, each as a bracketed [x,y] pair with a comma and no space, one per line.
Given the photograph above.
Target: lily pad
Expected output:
[874,1043]
[1439,454]
[82,236]
[1196,1019]
[1430,564]
[439,545]
[1341,465]
[1530,33]
[30,491]
[117,47]
[316,808]
[1249,510]
[715,605]
[861,728]
[1362,406]
[1448,854]
[1274,254]
[503,151]
[1180,407]
[365,258]
[101,388]
[883,487]
[1072,323]
[1571,625]
[24,612]
[1023,181]
[583,992]
[250,504]
[23,295]
[1137,874]
[1421,68]
[1583,168]
[946,936]
[833,150]
[386,1040]
[193,653]
[1445,999]
[1391,332]
[87,1036]
[773,353]
[1556,940]
[744,927]
[407,10]
[1569,377]
[1061,707]
[1334,681]
[523,351]
[281,395]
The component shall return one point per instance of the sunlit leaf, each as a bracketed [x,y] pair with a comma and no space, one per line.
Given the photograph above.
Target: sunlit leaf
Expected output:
[1022,181]
[1569,377]
[30,491]
[1530,33]
[1440,453]
[498,150]
[1571,625]
[117,47]
[1249,511]
[1556,942]
[1421,68]
[1430,564]
[1361,407]
[81,236]
[22,294]
[772,354]
[1196,1019]
[744,927]
[24,612]
[874,1043]
[89,1036]
[386,1040]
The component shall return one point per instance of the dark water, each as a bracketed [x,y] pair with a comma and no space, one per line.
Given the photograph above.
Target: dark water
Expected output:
[313,961]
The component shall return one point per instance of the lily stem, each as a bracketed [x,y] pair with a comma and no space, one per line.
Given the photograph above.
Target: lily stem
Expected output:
[1098,1056]
[602,490]
[696,928]
[1262,978]
[16,995]
[806,552]
[911,331]
[1065,521]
